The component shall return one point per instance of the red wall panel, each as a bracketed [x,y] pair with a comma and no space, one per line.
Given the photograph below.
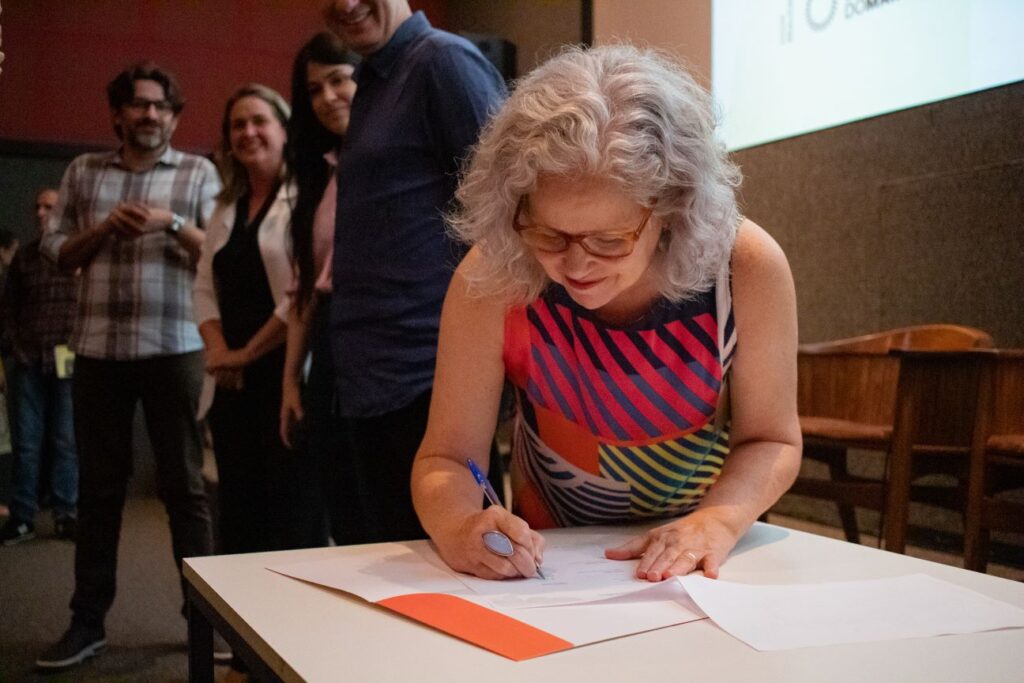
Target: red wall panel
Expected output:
[62,53]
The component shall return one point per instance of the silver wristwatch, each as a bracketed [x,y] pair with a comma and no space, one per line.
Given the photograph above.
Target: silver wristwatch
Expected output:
[177,223]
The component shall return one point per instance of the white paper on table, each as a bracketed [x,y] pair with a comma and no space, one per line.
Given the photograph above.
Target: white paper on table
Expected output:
[782,617]
[575,574]
[377,573]
[661,605]
[382,571]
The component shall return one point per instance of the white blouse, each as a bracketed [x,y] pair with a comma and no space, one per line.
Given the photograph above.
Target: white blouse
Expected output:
[275,244]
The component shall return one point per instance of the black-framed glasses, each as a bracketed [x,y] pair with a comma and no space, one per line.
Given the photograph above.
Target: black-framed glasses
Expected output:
[141,105]
[604,244]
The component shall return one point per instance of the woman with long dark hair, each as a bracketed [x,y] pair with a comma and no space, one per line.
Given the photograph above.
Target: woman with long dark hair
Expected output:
[322,92]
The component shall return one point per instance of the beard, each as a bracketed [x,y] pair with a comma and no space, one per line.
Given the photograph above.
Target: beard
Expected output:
[149,138]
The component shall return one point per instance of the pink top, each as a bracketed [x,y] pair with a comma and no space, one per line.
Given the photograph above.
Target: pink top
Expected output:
[323,233]
[323,228]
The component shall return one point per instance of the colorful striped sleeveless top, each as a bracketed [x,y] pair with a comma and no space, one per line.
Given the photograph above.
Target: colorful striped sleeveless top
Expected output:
[617,423]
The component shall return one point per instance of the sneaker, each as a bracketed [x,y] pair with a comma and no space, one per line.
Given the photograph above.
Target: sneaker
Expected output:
[221,650]
[74,647]
[15,531]
[66,527]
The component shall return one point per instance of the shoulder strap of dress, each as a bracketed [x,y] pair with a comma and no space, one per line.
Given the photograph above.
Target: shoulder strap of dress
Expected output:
[726,341]
[726,322]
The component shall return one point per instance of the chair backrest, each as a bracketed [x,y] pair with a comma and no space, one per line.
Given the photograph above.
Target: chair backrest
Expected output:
[1007,407]
[860,387]
[856,379]
[939,337]
[943,386]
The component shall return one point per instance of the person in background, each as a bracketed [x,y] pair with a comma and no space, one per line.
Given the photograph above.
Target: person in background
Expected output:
[7,238]
[8,246]
[266,495]
[38,309]
[648,329]
[423,96]
[241,305]
[132,220]
[322,92]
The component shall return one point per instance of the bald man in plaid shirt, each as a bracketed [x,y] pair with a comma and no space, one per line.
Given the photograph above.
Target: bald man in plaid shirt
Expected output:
[132,220]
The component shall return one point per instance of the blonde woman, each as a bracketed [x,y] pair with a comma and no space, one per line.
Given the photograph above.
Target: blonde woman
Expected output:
[267,493]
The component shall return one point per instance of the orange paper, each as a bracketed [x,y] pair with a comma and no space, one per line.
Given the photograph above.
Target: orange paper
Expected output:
[468,621]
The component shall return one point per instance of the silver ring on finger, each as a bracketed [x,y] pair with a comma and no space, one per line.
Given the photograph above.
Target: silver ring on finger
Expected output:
[692,556]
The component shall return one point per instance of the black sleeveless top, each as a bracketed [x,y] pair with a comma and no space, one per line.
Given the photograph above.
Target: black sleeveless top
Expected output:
[243,290]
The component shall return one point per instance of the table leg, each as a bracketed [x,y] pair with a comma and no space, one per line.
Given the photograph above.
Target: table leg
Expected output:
[200,643]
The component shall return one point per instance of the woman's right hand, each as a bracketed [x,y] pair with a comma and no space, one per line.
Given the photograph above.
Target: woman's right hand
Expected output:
[464,551]
[291,410]
[215,355]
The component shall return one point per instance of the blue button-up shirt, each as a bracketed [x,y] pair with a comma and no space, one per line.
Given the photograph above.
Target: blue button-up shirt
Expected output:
[421,102]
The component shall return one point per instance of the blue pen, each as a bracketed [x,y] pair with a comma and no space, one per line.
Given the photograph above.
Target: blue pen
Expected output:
[497,542]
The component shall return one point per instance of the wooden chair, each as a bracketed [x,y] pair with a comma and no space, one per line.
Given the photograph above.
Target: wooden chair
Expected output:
[894,392]
[997,456]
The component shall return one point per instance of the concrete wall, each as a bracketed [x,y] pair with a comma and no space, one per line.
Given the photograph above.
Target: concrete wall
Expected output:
[912,217]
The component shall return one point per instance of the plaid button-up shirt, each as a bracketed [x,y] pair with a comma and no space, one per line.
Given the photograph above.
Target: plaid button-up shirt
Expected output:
[135,297]
[38,307]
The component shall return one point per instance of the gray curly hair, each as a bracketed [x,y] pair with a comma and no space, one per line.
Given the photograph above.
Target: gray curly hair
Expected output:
[616,112]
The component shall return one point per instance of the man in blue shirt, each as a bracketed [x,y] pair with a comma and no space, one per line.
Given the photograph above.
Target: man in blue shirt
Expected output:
[423,96]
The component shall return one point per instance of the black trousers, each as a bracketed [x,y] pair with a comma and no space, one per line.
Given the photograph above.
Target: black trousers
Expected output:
[337,471]
[267,495]
[382,450]
[104,395]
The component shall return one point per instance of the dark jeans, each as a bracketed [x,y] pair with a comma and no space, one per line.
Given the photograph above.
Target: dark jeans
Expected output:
[267,495]
[42,417]
[105,393]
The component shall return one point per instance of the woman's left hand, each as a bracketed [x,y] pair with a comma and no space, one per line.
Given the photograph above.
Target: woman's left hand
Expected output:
[291,410]
[698,541]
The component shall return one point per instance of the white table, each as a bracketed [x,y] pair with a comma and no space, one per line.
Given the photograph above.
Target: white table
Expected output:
[293,631]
